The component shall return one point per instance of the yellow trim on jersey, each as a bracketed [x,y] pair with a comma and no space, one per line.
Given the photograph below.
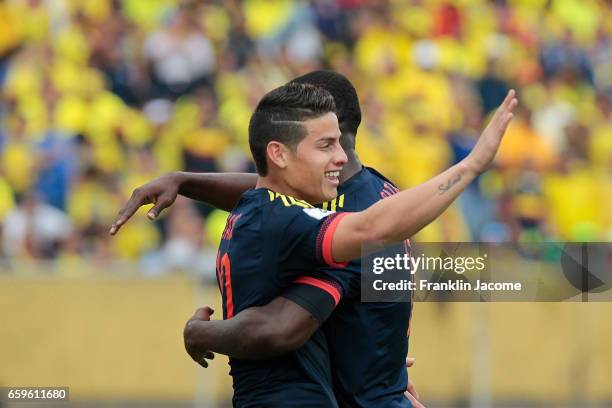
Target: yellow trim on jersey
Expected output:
[288,200]
[285,200]
[299,203]
[334,204]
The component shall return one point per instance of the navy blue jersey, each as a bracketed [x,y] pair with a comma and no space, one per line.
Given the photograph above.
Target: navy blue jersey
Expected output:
[270,242]
[368,342]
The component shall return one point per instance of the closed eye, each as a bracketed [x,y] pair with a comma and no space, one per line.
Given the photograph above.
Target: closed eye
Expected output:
[326,143]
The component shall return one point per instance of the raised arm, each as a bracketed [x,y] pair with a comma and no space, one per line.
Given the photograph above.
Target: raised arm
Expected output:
[254,333]
[404,214]
[221,190]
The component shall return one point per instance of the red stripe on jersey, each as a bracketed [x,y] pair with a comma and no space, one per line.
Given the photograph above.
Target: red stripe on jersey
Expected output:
[226,272]
[218,270]
[327,241]
[321,284]
[388,190]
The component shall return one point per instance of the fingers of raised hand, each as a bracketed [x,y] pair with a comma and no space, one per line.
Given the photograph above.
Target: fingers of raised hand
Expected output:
[509,98]
[162,202]
[123,215]
[137,200]
[508,114]
[506,106]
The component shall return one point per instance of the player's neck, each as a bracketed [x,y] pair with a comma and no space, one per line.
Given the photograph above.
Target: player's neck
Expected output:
[352,166]
[277,185]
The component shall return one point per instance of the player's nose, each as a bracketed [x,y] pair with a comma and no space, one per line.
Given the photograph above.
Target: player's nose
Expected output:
[340,157]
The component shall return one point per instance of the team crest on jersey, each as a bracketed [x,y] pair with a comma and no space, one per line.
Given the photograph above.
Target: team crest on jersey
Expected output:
[317,213]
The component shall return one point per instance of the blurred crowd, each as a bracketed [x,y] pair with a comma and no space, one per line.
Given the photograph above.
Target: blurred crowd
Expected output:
[98,97]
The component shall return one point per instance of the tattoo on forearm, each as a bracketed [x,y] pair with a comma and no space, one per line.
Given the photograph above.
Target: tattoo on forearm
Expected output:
[451,182]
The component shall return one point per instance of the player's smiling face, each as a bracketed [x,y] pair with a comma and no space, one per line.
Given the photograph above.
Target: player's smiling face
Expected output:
[313,171]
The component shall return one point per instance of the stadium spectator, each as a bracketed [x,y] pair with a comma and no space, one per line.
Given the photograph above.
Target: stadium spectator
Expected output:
[34,229]
[181,56]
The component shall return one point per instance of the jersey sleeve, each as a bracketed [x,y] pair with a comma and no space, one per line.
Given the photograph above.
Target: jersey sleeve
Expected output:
[317,294]
[324,240]
[303,237]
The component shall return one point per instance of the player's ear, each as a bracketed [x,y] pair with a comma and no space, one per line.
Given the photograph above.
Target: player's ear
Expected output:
[278,154]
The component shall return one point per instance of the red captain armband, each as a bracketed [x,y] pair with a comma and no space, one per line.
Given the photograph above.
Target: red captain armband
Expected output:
[324,239]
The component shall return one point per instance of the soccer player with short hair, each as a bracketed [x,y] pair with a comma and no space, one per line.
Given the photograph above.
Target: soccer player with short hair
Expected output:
[274,237]
[354,384]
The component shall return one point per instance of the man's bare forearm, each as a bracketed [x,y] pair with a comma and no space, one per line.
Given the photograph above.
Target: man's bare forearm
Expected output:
[402,215]
[249,335]
[221,190]
[406,213]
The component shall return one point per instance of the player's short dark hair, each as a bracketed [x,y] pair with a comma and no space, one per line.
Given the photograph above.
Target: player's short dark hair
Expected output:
[345,97]
[279,114]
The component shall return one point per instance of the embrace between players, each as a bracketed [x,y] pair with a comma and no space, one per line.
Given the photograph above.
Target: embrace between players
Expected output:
[289,273]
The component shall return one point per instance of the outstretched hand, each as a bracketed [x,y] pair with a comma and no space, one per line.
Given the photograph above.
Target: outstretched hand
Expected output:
[490,139]
[199,356]
[162,192]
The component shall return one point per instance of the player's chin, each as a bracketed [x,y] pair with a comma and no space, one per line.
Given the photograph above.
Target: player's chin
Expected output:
[329,192]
